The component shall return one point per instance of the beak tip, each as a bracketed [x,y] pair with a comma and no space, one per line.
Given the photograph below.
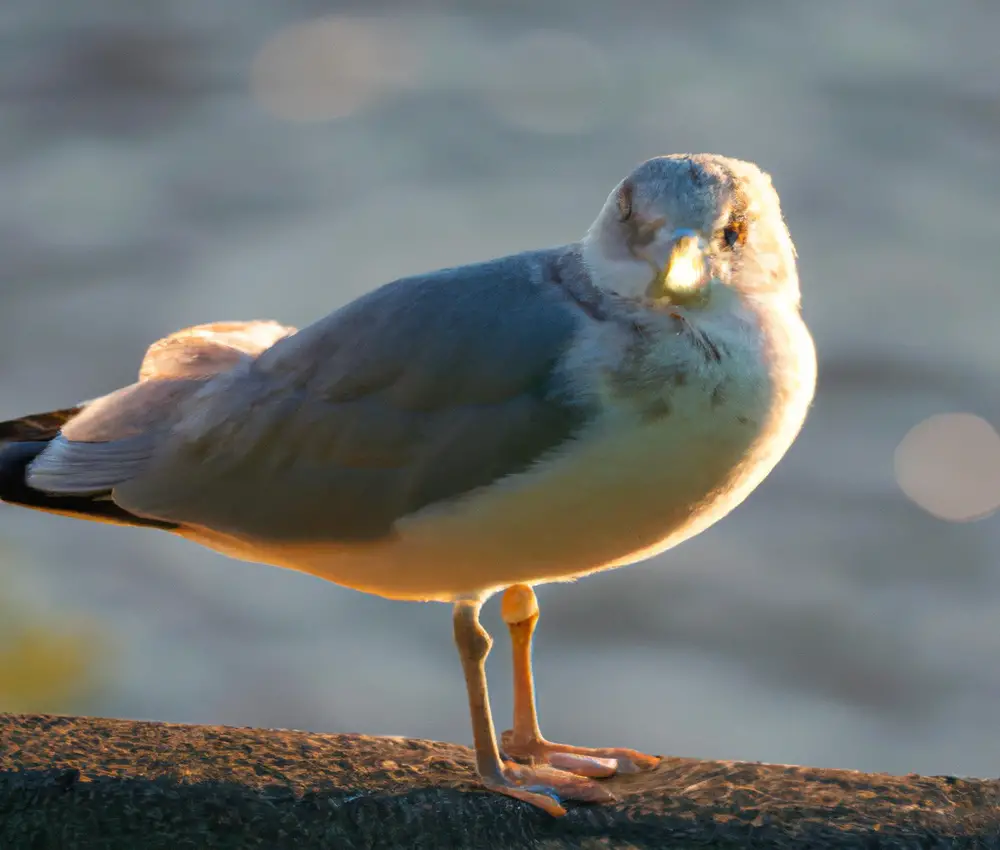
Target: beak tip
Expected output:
[686,266]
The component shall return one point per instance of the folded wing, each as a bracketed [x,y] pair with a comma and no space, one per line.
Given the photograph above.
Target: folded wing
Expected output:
[417,393]
[75,456]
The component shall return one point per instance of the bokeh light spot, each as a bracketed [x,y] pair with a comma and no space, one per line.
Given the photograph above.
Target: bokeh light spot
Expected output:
[949,465]
[330,67]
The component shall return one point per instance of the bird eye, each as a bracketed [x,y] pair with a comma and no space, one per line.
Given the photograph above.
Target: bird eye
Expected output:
[735,233]
[625,202]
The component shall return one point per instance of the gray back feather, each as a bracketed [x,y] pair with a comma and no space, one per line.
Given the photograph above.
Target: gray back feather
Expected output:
[416,393]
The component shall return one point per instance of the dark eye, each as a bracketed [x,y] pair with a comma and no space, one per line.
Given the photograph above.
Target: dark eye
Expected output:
[735,233]
[625,202]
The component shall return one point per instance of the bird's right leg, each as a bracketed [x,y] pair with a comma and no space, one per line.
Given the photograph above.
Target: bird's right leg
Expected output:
[542,786]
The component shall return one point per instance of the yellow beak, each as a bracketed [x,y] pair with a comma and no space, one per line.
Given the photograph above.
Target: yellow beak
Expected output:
[685,268]
[680,277]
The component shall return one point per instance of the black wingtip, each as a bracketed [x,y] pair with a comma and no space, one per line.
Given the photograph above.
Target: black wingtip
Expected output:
[36,426]
[16,456]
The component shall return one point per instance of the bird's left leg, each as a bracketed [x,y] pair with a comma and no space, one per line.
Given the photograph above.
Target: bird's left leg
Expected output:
[542,785]
[525,742]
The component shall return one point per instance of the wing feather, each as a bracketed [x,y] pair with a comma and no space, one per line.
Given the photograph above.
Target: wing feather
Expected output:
[205,350]
[419,392]
[104,442]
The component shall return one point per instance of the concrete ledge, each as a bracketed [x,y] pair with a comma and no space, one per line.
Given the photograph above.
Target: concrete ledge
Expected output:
[74,783]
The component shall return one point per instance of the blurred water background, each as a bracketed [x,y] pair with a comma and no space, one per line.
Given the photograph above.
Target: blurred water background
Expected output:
[164,164]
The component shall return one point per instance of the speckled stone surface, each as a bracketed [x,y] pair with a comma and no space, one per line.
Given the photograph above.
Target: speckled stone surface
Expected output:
[74,783]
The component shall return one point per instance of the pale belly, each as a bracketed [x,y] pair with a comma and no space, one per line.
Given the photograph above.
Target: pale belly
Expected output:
[628,488]
[619,495]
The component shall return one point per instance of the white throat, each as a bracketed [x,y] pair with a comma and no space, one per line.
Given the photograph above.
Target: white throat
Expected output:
[627,277]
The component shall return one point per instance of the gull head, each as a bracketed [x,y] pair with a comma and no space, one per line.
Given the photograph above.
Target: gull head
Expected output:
[688,229]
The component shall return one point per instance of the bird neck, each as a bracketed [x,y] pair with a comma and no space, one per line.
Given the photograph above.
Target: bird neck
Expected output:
[623,277]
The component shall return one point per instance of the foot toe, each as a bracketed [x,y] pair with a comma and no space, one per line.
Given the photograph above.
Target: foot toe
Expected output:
[534,796]
[594,762]
[595,767]
[547,788]
[629,761]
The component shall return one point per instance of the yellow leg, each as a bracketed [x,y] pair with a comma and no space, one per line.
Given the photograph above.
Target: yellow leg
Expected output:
[519,609]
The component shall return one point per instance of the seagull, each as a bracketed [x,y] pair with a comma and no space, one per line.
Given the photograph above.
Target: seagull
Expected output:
[480,429]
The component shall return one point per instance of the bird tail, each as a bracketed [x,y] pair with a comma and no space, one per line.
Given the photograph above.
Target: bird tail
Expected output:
[24,439]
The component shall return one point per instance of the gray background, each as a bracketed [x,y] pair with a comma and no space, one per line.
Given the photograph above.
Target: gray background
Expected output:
[153,175]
